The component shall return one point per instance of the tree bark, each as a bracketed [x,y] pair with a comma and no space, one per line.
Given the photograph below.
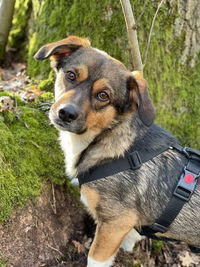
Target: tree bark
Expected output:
[6,15]
[189,23]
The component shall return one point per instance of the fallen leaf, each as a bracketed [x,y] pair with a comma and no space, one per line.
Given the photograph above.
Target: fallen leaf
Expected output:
[87,243]
[79,246]
[6,103]
[36,91]
[187,259]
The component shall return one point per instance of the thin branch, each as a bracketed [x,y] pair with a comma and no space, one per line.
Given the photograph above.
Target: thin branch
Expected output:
[151,30]
[143,10]
[53,205]
[55,249]
[132,35]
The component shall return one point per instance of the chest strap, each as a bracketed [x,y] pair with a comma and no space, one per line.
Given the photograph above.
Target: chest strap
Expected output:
[131,160]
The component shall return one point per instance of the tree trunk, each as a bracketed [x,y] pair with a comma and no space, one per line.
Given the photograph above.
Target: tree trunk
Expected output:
[6,15]
[189,23]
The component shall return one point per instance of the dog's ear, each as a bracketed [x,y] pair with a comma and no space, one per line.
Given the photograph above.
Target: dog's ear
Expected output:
[61,48]
[140,98]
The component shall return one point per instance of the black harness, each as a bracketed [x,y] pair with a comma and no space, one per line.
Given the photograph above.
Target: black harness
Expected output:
[182,192]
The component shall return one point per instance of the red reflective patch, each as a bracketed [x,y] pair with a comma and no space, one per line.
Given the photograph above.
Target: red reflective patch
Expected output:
[189,178]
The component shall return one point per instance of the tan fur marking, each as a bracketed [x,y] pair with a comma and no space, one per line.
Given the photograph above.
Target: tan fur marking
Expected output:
[101,119]
[110,235]
[82,73]
[71,40]
[92,197]
[54,60]
[99,85]
[137,74]
[63,100]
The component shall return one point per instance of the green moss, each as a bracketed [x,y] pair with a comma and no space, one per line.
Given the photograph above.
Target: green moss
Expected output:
[3,261]
[17,36]
[157,246]
[49,16]
[48,84]
[46,97]
[14,97]
[29,154]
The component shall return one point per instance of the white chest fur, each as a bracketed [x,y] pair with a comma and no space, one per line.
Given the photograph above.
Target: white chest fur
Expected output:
[72,145]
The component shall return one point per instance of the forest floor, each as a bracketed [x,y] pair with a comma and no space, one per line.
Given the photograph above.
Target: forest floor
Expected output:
[54,229]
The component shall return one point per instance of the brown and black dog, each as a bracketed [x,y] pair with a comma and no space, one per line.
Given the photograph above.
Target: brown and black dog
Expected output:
[101,110]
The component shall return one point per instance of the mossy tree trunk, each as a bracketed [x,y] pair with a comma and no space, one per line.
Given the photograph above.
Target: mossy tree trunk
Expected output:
[6,15]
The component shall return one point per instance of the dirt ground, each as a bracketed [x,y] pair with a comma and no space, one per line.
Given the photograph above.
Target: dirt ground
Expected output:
[54,230]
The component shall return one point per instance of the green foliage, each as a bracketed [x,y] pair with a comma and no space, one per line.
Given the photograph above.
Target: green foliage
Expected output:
[28,155]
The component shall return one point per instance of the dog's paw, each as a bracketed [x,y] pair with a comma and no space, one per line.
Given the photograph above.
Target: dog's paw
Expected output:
[93,263]
[131,239]
[74,181]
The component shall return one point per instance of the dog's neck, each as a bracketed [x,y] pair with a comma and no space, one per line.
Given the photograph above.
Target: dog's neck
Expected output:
[87,150]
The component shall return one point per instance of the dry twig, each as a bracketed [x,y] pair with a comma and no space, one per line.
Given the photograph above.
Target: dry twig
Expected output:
[151,30]
[55,249]
[141,14]
[53,205]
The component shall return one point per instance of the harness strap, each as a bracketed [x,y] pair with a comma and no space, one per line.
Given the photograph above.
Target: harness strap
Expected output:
[131,160]
[182,193]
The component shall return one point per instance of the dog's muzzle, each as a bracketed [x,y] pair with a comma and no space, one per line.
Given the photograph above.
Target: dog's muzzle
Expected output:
[68,118]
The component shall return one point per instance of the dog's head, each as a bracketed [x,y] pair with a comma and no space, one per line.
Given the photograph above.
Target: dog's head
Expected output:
[93,89]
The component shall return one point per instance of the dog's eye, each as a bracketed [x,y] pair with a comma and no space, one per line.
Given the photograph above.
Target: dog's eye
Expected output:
[102,96]
[70,76]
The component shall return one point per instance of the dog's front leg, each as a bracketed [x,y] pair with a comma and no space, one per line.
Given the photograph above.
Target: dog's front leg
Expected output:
[108,237]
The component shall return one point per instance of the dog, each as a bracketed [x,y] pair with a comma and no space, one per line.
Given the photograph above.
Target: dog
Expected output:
[100,110]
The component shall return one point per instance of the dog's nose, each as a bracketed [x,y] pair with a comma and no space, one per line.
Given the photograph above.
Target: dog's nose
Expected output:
[68,113]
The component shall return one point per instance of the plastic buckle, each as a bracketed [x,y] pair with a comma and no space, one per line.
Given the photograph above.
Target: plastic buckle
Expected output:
[134,160]
[186,185]
[188,151]
[159,228]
